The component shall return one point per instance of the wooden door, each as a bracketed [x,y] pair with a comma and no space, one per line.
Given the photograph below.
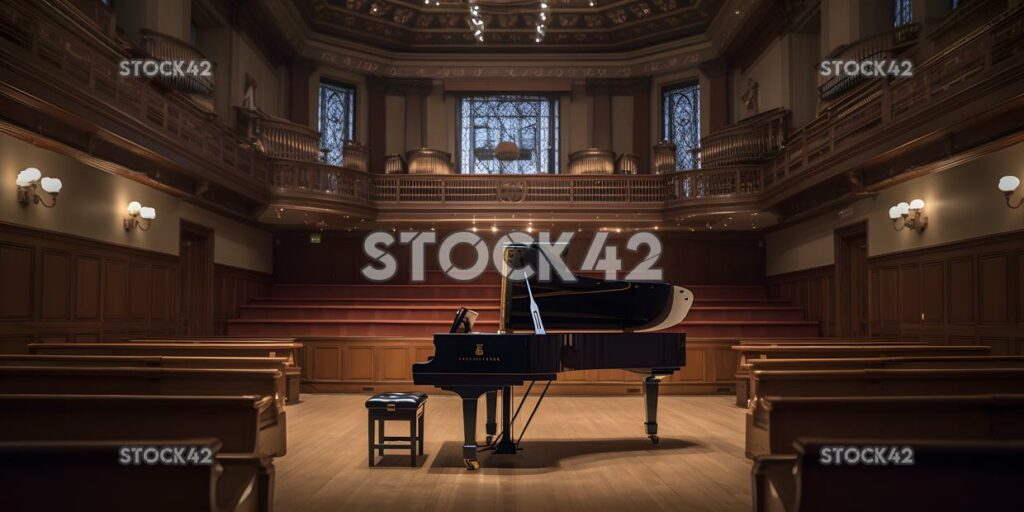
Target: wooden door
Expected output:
[851,254]
[196,263]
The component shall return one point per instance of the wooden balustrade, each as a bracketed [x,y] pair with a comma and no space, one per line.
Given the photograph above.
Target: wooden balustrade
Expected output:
[969,16]
[74,66]
[198,70]
[355,156]
[278,138]
[881,46]
[880,108]
[78,64]
[754,139]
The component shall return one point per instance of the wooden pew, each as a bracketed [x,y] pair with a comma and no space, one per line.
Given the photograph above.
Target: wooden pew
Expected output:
[945,476]
[157,381]
[852,363]
[87,475]
[266,363]
[293,373]
[758,351]
[244,424]
[886,382]
[777,422]
[288,350]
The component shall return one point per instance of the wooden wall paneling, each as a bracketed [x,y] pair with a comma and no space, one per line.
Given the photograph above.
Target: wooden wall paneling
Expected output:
[62,288]
[961,290]
[910,293]
[55,286]
[813,290]
[87,287]
[993,280]
[933,292]
[17,290]
[233,288]
[889,298]
[115,289]
[139,286]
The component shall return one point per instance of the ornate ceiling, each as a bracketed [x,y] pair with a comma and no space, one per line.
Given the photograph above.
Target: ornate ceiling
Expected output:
[573,25]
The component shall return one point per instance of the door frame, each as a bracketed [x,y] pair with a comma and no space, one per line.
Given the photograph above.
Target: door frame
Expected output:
[206,321]
[842,237]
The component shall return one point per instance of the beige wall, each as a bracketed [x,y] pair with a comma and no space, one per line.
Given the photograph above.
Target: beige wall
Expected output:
[770,71]
[171,17]
[961,203]
[271,81]
[92,205]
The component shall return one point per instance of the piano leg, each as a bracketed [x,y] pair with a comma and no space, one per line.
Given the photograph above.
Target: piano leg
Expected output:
[469,426]
[506,446]
[492,407]
[651,397]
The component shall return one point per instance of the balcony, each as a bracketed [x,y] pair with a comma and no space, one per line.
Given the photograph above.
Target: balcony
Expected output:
[163,47]
[69,62]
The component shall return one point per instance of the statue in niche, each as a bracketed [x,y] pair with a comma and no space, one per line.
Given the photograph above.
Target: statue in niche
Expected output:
[750,97]
[249,93]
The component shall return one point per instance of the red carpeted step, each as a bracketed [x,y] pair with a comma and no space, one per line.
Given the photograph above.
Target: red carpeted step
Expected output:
[728,291]
[750,328]
[416,291]
[422,310]
[700,312]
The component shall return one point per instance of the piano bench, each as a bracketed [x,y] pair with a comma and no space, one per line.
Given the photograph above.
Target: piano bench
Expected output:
[401,407]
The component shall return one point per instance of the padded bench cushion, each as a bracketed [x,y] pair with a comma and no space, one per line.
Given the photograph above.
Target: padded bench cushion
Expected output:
[397,400]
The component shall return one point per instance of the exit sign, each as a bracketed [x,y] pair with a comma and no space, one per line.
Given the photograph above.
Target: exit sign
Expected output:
[314,238]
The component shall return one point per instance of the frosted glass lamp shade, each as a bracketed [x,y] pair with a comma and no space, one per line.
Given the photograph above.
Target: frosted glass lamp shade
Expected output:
[1008,184]
[133,208]
[147,213]
[28,177]
[916,205]
[894,212]
[904,208]
[51,185]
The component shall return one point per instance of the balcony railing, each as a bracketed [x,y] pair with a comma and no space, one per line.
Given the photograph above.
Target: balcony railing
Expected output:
[79,70]
[279,138]
[198,76]
[751,140]
[876,47]
[983,60]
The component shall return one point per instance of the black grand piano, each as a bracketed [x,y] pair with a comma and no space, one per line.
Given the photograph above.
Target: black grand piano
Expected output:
[596,324]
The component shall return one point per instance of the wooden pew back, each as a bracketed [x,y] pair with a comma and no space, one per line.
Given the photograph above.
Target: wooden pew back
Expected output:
[776,423]
[271,363]
[98,380]
[286,350]
[72,475]
[886,382]
[237,421]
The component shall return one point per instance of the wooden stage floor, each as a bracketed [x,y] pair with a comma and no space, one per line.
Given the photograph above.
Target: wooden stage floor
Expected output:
[580,454]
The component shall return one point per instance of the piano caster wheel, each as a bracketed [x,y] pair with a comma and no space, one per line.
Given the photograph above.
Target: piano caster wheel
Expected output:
[654,439]
[489,440]
[471,464]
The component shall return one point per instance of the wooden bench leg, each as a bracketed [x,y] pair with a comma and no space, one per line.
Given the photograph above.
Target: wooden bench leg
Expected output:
[412,441]
[370,437]
[380,436]
[421,416]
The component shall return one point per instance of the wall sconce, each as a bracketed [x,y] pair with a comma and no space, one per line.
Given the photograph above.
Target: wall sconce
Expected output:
[1008,185]
[139,217]
[30,179]
[908,215]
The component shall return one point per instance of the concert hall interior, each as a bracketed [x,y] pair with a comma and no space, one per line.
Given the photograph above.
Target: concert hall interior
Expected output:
[524,255]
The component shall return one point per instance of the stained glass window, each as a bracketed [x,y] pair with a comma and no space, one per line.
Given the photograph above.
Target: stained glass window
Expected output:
[337,118]
[531,122]
[955,3]
[901,13]
[681,121]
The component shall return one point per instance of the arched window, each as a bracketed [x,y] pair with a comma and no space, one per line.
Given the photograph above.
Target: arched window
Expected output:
[337,118]
[681,121]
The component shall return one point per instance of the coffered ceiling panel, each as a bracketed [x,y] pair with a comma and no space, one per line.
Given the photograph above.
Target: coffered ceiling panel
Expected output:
[510,25]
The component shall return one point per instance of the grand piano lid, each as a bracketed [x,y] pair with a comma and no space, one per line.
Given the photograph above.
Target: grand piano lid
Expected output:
[588,304]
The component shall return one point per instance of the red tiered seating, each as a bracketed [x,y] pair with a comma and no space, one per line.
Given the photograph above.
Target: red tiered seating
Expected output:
[426,308]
